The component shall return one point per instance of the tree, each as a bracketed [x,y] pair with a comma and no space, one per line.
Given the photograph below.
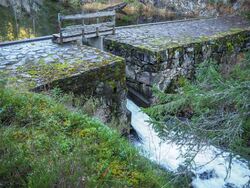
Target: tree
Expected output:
[212,109]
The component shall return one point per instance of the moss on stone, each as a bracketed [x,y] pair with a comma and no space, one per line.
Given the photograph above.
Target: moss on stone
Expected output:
[165,43]
[38,73]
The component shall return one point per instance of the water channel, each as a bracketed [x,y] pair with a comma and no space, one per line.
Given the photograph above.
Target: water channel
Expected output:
[211,170]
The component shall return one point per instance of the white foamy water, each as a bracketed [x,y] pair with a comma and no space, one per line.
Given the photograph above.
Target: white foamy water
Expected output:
[168,156]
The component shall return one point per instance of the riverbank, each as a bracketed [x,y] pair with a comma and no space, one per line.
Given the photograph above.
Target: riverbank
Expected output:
[45,144]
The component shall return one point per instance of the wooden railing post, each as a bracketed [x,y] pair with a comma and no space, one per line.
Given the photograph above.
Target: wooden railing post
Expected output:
[97,20]
[83,33]
[114,24]
[60,28]
[97,31]
[83,29]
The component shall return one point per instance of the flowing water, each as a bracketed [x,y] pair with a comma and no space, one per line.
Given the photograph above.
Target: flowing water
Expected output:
[211,169]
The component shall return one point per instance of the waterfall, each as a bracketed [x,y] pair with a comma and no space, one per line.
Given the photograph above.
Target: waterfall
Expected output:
[211,171]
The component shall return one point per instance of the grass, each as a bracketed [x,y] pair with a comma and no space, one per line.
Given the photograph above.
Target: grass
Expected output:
[43,144]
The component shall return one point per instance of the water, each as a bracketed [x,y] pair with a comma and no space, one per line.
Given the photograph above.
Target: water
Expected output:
[167,156]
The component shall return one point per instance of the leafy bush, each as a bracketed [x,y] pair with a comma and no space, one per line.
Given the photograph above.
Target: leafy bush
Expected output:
[213,109]
[43,144]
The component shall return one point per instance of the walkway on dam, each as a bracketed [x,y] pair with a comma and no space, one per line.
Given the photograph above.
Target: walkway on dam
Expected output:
[12,56]
[159,35]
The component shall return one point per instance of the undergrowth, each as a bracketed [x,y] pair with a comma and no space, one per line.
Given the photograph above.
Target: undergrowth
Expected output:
[44,144]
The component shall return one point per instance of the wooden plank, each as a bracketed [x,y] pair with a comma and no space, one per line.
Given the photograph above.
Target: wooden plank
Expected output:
[89,15]
[70,38]
[72,27]
[103,24]
[101,33]
[66,39]
[80,27]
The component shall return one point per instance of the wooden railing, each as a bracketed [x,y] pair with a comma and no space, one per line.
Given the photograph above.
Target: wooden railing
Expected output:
[73,32]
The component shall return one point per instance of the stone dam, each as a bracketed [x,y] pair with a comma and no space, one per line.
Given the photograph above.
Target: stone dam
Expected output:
[156,54]
[136,57]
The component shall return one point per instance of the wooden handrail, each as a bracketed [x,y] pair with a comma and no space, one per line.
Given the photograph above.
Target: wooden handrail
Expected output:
[87,16]
[85,29]
[73,27]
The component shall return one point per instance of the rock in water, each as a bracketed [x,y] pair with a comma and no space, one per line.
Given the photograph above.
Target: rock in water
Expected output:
[230,185]
[207,175]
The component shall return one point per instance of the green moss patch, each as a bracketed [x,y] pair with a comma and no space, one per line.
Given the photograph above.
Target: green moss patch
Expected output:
[35,74]
[165,43]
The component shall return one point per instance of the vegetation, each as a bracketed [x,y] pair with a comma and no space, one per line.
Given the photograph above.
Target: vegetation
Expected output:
[212,109]
[43,144]
[72,3]
[247,15]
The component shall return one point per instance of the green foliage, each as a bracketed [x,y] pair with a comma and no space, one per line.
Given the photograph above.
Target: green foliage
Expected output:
[3,79]
[213,109]
[247,15]
[80,103]
[72,3]
[43,144]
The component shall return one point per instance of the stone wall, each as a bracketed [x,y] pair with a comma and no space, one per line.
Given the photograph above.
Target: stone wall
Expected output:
[146,68]
[106,83]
